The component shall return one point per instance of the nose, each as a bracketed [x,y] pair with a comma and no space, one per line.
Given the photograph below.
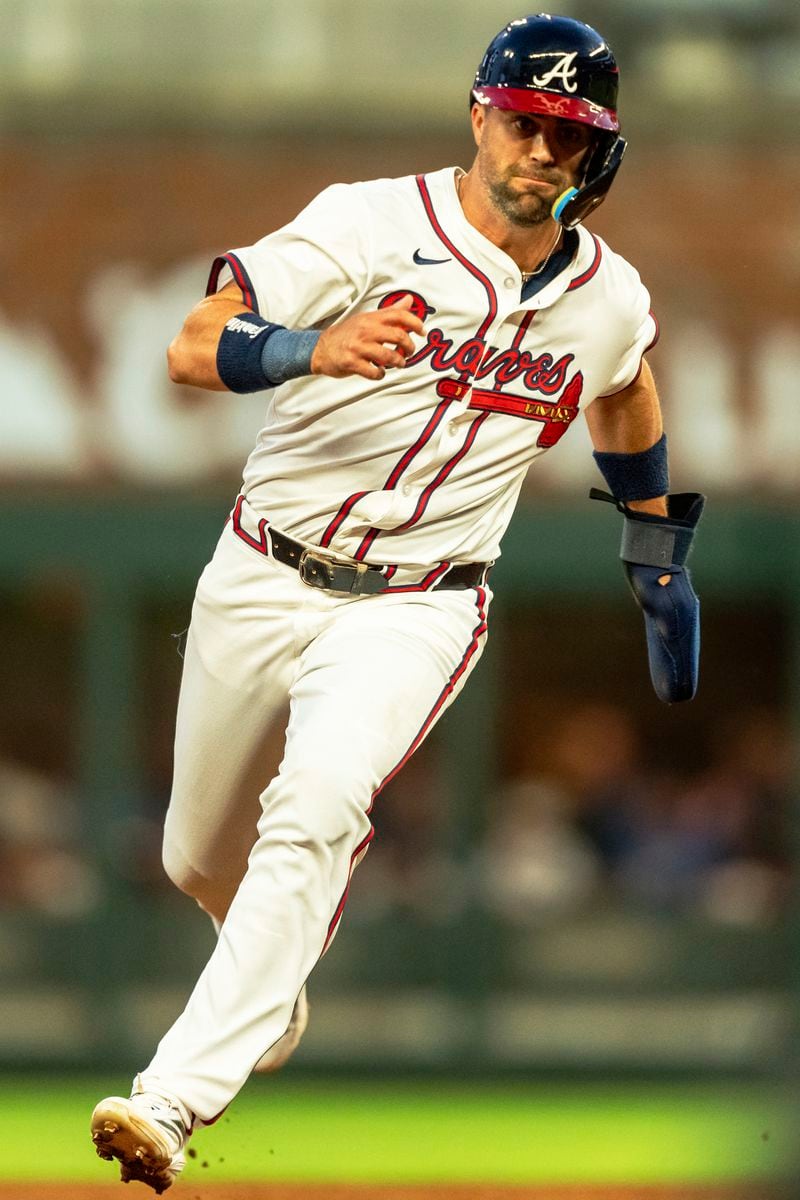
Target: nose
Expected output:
[541,149]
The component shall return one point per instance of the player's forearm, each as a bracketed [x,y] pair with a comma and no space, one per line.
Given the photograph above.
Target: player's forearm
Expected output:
[630,423]
[250,354]
[192,355]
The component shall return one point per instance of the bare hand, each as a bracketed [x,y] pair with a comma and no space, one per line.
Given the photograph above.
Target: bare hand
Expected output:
[368,343]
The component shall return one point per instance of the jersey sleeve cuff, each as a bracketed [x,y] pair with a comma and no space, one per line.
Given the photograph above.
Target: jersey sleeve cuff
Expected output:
[229,268]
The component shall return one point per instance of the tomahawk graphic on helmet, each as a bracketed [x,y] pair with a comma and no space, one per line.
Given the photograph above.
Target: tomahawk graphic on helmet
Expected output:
[560,68]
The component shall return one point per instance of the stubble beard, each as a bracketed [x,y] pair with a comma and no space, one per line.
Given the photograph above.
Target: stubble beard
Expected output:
[526,209]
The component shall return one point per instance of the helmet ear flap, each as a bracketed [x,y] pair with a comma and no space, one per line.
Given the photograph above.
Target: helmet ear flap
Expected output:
[604,160]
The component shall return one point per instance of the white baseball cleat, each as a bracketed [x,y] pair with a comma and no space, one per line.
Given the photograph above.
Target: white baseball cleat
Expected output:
[286,1045]
[146,1133]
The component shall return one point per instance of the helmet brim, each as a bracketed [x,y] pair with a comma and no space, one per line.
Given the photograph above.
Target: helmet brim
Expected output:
[549,104]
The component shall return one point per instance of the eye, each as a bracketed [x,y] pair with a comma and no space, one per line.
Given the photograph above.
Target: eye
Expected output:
[525,126]
[574,136]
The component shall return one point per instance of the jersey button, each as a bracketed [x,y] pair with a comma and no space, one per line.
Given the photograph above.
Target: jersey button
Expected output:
[452,427]
[406,489]
[509,282]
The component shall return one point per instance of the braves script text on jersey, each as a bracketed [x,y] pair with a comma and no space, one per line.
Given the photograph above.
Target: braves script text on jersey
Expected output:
[419,473]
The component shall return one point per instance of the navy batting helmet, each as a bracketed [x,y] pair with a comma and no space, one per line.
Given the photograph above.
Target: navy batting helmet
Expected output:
[560,68]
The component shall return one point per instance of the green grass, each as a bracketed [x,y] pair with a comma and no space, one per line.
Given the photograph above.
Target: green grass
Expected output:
[427,1131]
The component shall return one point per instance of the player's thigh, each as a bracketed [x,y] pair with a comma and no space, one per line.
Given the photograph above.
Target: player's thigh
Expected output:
[373,684]
[231,716]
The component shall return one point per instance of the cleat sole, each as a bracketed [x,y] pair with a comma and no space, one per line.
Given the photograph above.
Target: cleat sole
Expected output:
[118,1133]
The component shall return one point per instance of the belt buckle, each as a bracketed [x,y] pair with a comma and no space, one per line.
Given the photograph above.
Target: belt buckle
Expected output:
[321,571]
[313,569]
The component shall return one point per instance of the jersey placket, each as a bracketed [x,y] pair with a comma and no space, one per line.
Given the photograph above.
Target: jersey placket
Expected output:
[447,442]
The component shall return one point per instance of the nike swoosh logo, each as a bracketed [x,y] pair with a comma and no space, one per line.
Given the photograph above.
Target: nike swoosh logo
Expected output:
[428,262]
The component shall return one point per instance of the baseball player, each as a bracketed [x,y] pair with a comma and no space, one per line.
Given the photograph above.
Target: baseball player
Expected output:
[419,342]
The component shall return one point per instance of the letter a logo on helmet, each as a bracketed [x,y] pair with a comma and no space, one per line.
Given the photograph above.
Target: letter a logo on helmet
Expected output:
[556,66]
[563,70]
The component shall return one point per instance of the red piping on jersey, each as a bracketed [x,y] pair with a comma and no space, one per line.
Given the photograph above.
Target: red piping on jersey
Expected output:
[442,474]
[414,450]
[591,270]
[333,525]
[473,270]
[444,695]
[240,277]
[261,546]
[424,584]
[436,482]
[524,326]
[649,346]
[214,274]
[397,471]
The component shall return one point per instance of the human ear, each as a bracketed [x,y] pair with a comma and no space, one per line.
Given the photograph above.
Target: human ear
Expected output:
[478,117]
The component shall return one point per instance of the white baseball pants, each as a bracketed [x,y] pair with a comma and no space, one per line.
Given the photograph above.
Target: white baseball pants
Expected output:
[365,678]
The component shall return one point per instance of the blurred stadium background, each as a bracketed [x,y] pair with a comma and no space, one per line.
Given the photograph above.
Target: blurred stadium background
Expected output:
[568,878]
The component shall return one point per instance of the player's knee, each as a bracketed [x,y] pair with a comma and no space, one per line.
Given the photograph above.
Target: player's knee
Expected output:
[178,869]
[209,894]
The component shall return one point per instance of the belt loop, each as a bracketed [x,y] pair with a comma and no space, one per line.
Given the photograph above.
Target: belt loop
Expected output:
[360,572]
[266,537]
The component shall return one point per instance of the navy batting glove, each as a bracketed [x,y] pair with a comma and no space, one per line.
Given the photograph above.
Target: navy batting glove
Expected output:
[672,625]
[654,551]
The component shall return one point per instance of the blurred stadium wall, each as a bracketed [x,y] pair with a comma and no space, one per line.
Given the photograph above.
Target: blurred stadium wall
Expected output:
[568,876]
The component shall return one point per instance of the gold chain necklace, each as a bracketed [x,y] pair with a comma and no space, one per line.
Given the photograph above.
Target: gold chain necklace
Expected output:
[526,275]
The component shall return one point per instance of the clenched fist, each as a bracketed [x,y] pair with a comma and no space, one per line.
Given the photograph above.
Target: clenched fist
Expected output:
[368,343]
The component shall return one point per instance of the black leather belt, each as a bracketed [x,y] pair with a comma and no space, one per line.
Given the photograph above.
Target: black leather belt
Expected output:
[321,570]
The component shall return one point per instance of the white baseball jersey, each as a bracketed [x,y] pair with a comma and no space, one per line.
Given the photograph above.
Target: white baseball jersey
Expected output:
[427,464]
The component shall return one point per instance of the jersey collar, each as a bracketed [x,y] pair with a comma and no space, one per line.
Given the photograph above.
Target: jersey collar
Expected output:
[567,271]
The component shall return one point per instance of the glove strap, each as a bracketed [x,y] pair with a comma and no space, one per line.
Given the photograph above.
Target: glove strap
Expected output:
[653,545]
[653,541]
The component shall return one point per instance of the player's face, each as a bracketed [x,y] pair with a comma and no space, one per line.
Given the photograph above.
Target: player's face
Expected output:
[525,161]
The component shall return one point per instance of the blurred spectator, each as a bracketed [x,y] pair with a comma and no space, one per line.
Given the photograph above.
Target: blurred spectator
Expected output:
[717,845]
[746,796]
[41,868]
[597,822]
[536,863]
